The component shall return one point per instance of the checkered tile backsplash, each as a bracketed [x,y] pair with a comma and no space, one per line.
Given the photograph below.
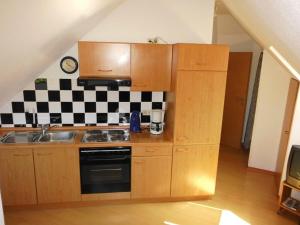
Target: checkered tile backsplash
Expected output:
[62,102]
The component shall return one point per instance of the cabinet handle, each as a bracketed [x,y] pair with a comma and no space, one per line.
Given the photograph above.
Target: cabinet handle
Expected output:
[22,155]
[44,154]
[150,150]
[102,70]
[182,138]
[201,63]
[181,150]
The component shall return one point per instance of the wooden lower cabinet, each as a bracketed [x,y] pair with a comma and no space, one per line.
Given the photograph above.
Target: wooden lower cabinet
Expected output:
[57,174]
[17,181]
[194,170]
[151,177]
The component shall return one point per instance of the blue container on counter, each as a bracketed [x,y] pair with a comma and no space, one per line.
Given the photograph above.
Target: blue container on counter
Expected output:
[135,122]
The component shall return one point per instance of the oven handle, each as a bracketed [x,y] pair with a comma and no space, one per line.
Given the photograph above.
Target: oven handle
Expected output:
[103,150]
[101,159]
[100,170]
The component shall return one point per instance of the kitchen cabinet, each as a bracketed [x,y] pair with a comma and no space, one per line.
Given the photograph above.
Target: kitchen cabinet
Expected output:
[201,57]
[57,174]
[17,180]
[194,116]
[151,174]
[194,170]
[98,59]
[199,111]
[196,99]
[151,67]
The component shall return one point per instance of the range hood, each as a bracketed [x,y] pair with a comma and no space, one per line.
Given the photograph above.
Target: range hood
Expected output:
[103,81]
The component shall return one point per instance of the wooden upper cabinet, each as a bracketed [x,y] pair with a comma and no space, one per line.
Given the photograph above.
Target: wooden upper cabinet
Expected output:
[199,107]
[194,170]
[57,174]
[151,67]
[201,57]
[17,180]
[98,59]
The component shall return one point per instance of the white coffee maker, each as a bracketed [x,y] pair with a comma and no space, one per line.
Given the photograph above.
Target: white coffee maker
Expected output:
[157,121]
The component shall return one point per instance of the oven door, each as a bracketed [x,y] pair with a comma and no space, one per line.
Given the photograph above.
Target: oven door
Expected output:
[105,170]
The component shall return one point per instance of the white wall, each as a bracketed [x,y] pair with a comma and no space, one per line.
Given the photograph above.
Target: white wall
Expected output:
[293,140]
[172,20]
[1,212]
[137,20]
[228,31]
[271,101]
[132,21]
[34,34]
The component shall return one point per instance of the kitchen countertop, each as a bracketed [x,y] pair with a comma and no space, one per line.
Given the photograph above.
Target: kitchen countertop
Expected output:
[136,139]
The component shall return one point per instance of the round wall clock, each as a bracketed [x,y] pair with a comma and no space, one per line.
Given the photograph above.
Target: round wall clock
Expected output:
[69,64]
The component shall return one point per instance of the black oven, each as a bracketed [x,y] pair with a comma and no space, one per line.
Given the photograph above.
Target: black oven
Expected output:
[105,170]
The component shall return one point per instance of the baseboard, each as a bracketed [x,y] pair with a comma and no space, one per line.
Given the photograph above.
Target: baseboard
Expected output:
[253,169]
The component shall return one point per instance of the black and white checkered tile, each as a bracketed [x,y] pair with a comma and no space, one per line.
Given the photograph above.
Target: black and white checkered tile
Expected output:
[62,102]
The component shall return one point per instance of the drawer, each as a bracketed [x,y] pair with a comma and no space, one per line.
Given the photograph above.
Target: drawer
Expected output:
[202,57]
[151,150]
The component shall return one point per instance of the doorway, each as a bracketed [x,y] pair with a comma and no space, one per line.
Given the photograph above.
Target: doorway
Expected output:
[238,76]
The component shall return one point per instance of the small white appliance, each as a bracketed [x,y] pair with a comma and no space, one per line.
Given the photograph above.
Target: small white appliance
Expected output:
[157,121]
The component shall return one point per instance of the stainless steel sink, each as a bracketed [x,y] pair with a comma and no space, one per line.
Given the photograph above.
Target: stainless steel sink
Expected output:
[37,137]
[20,137]
[57,136]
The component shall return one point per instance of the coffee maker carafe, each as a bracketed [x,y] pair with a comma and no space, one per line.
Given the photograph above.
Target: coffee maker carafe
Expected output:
[157,121]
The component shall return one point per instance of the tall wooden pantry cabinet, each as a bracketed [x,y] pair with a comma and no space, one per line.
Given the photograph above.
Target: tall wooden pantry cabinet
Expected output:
[194,116]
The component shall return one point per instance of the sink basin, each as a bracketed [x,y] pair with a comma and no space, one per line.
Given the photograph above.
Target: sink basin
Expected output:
[20,137]
[37,137]
[57,136]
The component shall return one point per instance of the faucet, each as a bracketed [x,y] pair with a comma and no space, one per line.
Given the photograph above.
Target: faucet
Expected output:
[45,128]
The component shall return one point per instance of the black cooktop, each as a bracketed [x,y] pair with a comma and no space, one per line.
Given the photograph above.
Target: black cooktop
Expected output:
[118,135]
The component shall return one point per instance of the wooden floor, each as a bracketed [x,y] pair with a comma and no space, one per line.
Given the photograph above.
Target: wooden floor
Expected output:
[242,197]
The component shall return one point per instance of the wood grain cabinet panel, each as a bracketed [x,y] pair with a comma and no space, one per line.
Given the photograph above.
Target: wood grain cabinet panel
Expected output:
[57,174]
[17,180]
[152,151]
[201,57]
[194,170]
[199,107]
[151,67]
[98,59]
[151,177]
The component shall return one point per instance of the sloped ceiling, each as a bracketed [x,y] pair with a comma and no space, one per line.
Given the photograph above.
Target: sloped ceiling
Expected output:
[34,33]
[272,23]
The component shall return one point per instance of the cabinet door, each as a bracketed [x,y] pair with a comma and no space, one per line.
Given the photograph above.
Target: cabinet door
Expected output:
[151,177]
[199,107]
[17,180]
[194,170]
[151,67]
[201,57]
[104,59]
[57,174]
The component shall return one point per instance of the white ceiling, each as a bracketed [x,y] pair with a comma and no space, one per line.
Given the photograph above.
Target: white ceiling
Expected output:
[272,23]
[34,33]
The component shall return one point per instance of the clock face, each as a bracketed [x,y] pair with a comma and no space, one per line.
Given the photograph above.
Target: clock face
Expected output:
[69,64]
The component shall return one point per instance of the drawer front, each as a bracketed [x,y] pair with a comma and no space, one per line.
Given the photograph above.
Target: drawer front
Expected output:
[151,150]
